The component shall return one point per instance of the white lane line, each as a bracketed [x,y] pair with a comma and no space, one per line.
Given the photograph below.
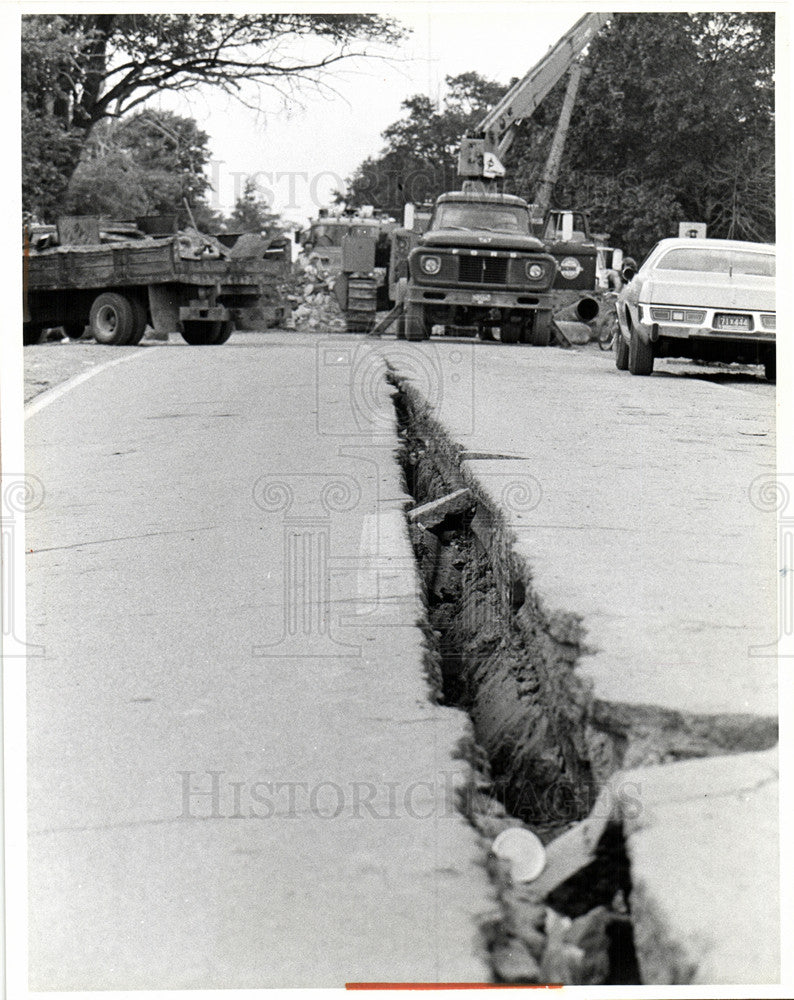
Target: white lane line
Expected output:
[38,403]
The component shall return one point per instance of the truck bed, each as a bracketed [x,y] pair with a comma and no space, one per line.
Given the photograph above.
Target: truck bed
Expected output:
[140,262]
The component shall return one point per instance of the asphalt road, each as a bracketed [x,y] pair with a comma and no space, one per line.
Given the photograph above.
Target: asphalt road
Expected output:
[153,575]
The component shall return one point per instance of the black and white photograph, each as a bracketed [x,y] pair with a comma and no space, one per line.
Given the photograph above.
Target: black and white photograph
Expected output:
[397,498]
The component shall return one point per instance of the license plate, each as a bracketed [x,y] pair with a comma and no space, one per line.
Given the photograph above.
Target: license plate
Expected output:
[481,300]
[732,321]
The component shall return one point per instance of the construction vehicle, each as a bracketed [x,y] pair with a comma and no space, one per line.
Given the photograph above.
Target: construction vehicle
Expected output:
[114,278]
[490,260]
[355,249]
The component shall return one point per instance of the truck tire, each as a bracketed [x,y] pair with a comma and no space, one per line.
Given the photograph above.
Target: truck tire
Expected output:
[200,332]
[510,333]
[541,328]
[416,327]
[112,319]
[31,332]
[621,352]
[640,355]
[74,331]
[227,328]
[141,316]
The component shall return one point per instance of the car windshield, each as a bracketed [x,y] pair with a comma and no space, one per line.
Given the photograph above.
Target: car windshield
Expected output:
[493,218]
[719,261]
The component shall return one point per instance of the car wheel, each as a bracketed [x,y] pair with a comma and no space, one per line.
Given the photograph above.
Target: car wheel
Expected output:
[640,355]
[621,352]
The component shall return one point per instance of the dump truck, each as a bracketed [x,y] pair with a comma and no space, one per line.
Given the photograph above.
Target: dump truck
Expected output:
[116,280]
[478,265]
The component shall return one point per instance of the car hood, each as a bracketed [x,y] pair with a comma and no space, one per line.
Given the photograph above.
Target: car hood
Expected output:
[710,291]
[480,239]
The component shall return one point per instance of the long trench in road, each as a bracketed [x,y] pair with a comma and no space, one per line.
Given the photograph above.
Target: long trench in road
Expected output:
[491,651]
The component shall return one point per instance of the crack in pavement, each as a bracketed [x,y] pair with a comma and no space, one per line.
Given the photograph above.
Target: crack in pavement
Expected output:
[122,538]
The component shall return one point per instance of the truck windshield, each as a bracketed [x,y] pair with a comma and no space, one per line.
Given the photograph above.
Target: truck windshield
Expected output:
[492,218]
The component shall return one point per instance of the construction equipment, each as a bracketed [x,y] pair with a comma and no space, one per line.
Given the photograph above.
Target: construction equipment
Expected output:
[355,249]
[564,232]
[116,279]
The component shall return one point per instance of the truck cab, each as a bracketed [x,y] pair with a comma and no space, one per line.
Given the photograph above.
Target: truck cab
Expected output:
[479,265]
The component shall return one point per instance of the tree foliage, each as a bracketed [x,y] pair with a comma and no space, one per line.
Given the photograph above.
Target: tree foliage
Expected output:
[251,213]
[80,69]
[147,164]
[419,159]
[674,122]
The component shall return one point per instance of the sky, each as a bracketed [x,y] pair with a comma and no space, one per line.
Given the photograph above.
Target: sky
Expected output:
[300,154]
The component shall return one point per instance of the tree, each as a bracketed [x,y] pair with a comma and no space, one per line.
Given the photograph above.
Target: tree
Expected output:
[251,213]
[419,159]
[675,121]
[147,164]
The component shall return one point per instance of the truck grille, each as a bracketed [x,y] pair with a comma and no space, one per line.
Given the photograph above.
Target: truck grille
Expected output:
[483,270]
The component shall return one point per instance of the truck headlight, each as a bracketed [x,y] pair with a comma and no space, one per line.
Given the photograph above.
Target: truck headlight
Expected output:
[430,264]
[535,271]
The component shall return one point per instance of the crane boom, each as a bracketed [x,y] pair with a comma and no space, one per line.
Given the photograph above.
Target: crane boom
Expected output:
[497,128]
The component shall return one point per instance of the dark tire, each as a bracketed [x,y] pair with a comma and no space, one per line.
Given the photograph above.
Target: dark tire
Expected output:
[112,319]
[31,332]
[200,333]
[141,318]
[621,349]
[227,329]
[510,333]
[640,355]
[74,331]
[416,326]
[770,369]
[541,328]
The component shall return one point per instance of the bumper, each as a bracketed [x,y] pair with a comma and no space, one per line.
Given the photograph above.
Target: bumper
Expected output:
[197,311]
[651,331]
[475,298]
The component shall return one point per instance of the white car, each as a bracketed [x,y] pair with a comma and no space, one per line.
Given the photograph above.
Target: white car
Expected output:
[710,300]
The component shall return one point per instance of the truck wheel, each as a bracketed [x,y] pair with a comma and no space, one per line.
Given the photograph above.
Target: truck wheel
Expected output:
[621,352]
[227,328]
[74,331]
[416,327]
[112,319]
[140,311]
[31,332]
[640,355]
[200,332]
[541,328]
[510,333]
